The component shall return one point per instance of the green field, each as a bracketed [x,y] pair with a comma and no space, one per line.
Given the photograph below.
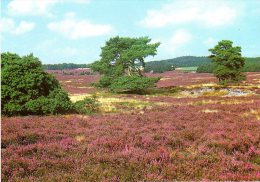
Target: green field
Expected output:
[188,69]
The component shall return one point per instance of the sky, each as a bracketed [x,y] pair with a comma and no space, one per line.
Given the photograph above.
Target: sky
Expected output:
[65,31]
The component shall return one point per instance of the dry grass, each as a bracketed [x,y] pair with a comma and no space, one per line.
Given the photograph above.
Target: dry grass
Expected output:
[80,138]
[215,93]
[222,102]
[254,113]
[209,111]
[112,104]
[78,97]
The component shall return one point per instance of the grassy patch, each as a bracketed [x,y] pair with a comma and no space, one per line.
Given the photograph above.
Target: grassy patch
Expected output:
[78,97]
[215,93]
[210,111]
[253,112]
[222,102]
[122,105]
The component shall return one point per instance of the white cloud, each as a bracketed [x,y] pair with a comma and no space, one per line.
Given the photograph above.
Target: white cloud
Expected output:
[211,13]
[37,7]
[179,39]
[8,25]
[73,28]
[30,7]
[24,27]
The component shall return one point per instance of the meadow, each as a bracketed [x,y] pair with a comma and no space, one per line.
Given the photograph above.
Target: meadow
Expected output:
[188,128]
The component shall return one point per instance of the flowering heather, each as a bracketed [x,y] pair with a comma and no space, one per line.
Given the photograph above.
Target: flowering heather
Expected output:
[183,138]
[79,84]
[173,142]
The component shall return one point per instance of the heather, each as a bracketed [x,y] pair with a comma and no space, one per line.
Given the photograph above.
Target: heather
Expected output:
[166,135]
[187,128]
[174,142]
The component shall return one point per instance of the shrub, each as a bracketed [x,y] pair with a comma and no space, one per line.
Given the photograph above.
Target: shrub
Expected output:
[27,89]
[39,106]
[60,102]
[132,84]
[87,106]
[103,82]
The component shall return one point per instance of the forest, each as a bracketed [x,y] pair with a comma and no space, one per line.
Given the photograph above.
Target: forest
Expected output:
[203,63]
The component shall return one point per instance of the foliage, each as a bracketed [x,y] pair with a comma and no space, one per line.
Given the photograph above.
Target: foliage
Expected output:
[104,82]
[204,64]
[228,62]
[132,84]
[87,106]
[184,61]
[63,66]
[251,65]
[205,68]
[124,56]
[27,89]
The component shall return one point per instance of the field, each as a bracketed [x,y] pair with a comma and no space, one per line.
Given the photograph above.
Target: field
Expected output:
[187,69]
[189,128]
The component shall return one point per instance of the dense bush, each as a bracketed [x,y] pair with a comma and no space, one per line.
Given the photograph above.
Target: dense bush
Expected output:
[132,84]
[103,82]
[27,89]
[87,106]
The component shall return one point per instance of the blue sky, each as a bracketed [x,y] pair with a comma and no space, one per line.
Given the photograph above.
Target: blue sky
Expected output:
[60,31]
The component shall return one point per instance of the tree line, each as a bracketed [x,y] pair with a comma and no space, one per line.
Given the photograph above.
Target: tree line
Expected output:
[204,64]
[63,66]
[251,65]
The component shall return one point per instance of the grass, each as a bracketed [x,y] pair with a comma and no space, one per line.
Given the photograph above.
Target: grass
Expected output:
[215,93]
[210,111]
[77,97]
[111,104]
[253,112]
[222,102]
[187,69]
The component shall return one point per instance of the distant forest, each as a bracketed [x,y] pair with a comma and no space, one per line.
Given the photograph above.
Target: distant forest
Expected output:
[63,66]
[251,65]
[168,64]
[204,64]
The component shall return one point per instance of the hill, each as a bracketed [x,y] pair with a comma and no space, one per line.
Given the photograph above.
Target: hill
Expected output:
[167,64]
[204,64]
[251,65]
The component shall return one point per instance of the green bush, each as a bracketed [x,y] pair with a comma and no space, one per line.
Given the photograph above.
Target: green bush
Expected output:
[103,82]
[132,84]
[87,106]
[27,89]
[40,106]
